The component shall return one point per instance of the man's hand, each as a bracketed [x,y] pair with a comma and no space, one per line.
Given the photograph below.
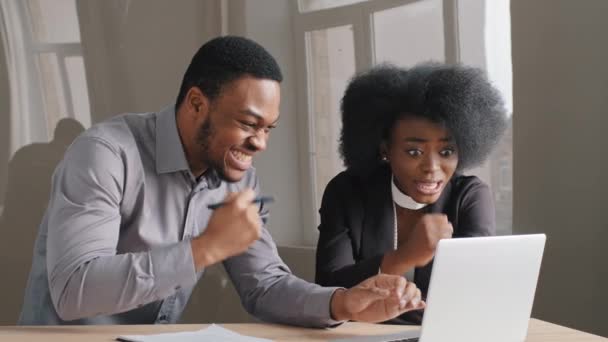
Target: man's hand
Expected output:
[232,228]
[419,249]
[376,299]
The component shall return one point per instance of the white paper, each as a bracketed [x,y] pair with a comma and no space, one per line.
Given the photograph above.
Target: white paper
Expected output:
[211,333]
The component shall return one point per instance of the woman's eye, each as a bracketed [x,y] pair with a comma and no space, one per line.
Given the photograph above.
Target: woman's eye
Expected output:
[447,152]
[414,152]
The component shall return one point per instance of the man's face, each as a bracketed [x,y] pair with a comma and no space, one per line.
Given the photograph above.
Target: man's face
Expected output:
[237,126]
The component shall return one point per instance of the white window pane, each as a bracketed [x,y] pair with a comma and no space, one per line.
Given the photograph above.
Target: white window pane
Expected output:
[484,37]
[409,34]
[78,88]
[54,21]
[497,172]
[314,5]
[498,45]
[52,90]
[331,60]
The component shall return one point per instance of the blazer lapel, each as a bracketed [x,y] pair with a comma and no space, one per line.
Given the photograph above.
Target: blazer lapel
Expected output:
[378,222]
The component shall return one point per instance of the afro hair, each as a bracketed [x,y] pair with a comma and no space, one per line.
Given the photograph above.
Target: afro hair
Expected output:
[459,97]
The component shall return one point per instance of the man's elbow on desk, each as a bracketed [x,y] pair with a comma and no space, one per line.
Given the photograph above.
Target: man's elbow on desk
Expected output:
[66,309]
[68,297]
[70,304]
[68,300]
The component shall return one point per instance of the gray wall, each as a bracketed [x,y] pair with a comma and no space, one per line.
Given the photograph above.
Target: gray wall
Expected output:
[136,52]
[4,123]
[560,157]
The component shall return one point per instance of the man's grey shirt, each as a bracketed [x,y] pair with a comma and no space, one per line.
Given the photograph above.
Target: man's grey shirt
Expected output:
[114,243]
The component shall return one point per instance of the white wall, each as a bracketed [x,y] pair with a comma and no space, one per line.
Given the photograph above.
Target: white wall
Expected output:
[560,160]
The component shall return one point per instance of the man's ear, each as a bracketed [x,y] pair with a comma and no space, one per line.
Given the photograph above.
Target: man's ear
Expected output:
[196,101]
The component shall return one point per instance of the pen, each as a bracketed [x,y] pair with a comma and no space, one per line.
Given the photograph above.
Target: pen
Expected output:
[259,199]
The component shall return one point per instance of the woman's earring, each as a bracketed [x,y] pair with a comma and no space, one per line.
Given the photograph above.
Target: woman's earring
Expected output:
[385,159]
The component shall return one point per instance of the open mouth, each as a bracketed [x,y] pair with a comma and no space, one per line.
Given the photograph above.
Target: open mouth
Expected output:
[429,187]
[240,160]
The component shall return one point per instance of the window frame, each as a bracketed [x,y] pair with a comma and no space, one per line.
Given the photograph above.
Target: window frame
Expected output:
[27,92]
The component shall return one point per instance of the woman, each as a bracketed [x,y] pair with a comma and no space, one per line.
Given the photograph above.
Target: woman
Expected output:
[406,135]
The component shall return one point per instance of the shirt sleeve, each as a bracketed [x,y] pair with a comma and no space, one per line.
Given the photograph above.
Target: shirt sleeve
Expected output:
[477,213]
[269,291]
[86,275]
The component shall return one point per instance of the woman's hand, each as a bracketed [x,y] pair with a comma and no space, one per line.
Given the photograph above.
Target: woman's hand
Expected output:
[419,248]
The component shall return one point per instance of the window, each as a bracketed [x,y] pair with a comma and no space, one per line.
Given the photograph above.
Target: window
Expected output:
[46,68]
[314,5]
[396,33]
[330,53]
[336,39]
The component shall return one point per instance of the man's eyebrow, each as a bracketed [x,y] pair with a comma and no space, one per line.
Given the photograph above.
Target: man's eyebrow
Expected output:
[252,113]
[257,115]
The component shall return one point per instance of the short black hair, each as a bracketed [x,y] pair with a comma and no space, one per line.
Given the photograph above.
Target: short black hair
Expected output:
[459,97]
[223,60]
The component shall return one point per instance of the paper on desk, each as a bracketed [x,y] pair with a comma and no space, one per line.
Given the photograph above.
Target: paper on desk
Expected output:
[211,333]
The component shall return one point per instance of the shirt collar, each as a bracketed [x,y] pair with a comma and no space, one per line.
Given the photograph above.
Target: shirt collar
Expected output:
[170,156]
[213,178]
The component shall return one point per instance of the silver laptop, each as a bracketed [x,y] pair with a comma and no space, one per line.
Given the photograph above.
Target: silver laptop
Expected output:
[481,290]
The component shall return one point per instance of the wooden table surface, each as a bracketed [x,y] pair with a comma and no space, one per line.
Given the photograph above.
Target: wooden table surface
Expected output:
[539,331]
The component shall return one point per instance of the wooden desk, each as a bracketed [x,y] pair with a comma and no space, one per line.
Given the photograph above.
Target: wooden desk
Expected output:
[539,331]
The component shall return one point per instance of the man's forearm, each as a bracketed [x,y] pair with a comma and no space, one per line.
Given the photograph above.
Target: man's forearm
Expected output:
[118,283]
[203,253]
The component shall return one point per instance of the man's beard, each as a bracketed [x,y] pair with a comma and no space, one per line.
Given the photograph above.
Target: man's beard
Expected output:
[203,137]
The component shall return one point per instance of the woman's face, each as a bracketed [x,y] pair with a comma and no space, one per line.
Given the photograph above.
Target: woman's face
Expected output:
[422,157]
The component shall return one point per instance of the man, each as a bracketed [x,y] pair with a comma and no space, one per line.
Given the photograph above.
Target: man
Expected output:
[128,233]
